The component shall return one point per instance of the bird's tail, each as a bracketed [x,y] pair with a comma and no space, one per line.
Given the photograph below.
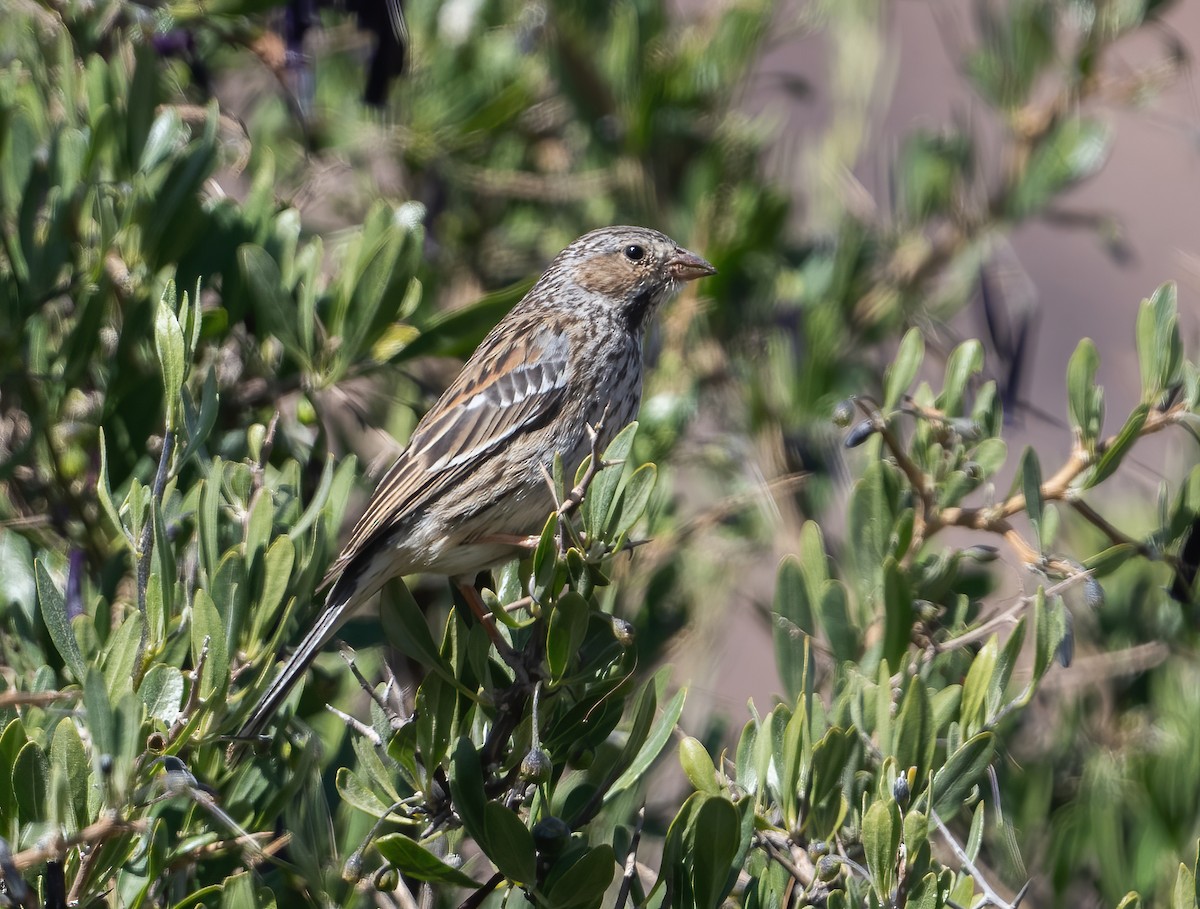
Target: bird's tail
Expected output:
[345,595]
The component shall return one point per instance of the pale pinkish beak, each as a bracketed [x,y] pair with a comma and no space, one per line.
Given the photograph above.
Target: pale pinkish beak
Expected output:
[687,266]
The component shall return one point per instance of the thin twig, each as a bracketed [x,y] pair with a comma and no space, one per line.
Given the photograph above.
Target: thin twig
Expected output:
[55,847]
[778,855]
[1058,487]
[631,860]
[193,701]
[916,476]
[36,698]
[395,721]
[357,725]
[989,895]
[1005,617]
[476,899]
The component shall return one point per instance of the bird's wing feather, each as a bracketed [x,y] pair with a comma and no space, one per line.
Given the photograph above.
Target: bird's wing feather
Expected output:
[519,382]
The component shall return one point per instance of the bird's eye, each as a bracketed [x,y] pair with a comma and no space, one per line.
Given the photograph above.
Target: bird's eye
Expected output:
[634,253]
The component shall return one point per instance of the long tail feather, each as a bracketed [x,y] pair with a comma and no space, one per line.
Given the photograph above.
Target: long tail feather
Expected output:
[346,594]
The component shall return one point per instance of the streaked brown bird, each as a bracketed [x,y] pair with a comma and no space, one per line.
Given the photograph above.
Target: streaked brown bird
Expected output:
[472,483]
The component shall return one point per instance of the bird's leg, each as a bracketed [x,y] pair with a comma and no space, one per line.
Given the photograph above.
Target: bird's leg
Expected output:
[475,602]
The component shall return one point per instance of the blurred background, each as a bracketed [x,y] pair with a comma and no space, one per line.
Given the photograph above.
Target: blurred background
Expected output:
[1024,172]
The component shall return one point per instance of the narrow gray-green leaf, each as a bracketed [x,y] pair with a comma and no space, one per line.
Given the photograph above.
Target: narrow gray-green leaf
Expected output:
[904,368]
[54,615]
[658,737]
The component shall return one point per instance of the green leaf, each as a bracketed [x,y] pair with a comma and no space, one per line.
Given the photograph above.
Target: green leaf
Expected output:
[565,633]
[655,741]
[1074,149]
[457,333]
[881,832]
[162,692]
[99,713]
[1085,403]
[237,892]
[12,740]
[168,344]
[926,894]
[903,370]
[18,587]
[916,738]
[744,759]
[793,625]
[916,832]
[509,844]
[1160,351]
[973,715]
[584,883]
[833,613]
[698,765]
[405,627]
[435,706]
[1031,486]
[960,773]
[121,659]
[415,861]
[466,787]
[545,561]
[717,837]
[813,558]
[602,494]
[633,500]
[1050,630]
[69,765]
[277,571]
[964,361]
[990,456]
[831,760]
[54,615]
[1120,446]
[316,503]
[272,303]
[356,790]
[1106,562]
[30,773]
[207,628]
[793,763]
[1183,894]
[898,613]
[874,506]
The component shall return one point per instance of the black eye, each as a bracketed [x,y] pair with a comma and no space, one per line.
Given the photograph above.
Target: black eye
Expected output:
[634,253]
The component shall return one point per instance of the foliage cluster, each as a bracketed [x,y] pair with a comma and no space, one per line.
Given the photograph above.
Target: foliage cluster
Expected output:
[171,496]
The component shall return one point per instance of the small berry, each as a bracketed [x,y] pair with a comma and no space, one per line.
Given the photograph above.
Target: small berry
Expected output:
[828,868]
[843,413]
[536,766]
[623,631]
[550,835]
[859,434]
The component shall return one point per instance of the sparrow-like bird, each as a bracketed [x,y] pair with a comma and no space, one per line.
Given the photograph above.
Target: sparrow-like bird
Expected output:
[472,482]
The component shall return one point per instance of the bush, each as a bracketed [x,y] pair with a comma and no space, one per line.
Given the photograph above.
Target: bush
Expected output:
[172,493]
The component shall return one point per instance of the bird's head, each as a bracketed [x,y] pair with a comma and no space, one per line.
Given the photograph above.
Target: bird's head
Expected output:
[630,269]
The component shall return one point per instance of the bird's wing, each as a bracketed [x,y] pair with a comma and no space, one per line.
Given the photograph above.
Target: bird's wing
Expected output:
[514,382]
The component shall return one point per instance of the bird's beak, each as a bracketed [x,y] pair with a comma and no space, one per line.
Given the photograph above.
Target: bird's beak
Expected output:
[687,266]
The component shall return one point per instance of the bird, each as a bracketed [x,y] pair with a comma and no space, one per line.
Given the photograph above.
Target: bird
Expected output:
[561,374]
